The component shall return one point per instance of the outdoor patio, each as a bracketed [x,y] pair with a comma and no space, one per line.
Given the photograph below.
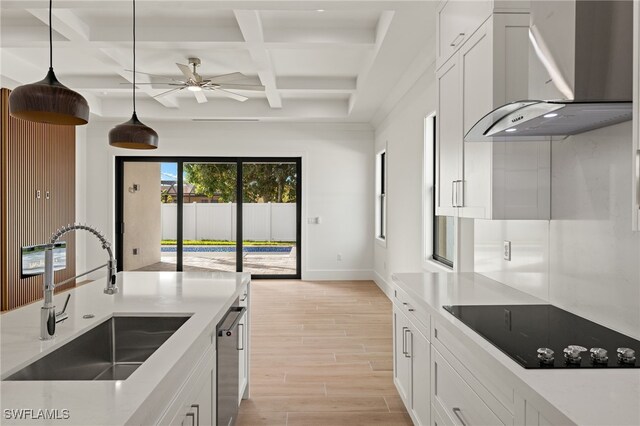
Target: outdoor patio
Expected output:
[259,263]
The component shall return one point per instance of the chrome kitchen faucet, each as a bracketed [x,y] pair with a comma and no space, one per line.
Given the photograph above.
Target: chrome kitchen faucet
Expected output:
[48,317]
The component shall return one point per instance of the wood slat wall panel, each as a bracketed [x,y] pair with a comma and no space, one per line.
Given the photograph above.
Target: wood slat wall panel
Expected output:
[37,157]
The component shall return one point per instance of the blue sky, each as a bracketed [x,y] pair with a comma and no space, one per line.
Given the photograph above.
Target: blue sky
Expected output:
[169,171]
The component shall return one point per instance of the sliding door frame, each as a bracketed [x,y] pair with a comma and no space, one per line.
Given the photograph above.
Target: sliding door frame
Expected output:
[180,161]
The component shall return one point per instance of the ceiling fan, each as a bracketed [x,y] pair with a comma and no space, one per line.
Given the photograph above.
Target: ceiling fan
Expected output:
[196,84]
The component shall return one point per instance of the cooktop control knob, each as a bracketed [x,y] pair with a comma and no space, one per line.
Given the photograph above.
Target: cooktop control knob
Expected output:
[626,356]
[599,355]
[572,353]
[545,355]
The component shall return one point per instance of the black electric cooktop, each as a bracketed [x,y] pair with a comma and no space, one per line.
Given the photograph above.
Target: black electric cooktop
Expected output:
[535,336]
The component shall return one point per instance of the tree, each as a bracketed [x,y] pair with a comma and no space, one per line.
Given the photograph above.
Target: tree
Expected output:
[262,182]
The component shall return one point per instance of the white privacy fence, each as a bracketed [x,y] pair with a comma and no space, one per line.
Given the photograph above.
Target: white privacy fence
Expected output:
[217,221]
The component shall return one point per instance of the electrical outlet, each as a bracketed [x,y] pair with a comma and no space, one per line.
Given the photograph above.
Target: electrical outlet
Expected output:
[506,252]
[136,251]
[339,257]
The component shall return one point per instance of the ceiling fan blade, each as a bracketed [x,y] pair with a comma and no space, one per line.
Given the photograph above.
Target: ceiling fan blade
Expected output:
[167,92]
[231,95]
[187,71]
[234,76]
[253,87]
[155,75]
[200,97]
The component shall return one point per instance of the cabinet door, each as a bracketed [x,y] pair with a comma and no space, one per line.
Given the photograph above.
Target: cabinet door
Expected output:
[203,404]
[401,362]
[243,367]
[476,59]
[420,377]
[448,137]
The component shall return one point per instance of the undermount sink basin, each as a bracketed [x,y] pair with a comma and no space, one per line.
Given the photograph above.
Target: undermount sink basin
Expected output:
[112,350]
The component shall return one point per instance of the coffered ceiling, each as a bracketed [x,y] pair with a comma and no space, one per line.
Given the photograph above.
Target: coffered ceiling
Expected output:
[318,60]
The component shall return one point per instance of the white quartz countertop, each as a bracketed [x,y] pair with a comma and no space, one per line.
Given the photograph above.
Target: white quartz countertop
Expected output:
[586,397]
[204,296]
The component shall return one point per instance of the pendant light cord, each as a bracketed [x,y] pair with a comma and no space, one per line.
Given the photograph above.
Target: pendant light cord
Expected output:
[50,36]
[134,56]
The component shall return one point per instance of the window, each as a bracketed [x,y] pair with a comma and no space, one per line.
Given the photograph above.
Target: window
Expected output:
[440,235]
[381,200]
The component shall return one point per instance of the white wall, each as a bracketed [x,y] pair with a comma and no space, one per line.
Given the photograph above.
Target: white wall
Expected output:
[402,133]
[586,259]
[337,172]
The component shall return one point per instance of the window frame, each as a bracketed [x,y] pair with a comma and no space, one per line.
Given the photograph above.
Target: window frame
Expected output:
[381,196]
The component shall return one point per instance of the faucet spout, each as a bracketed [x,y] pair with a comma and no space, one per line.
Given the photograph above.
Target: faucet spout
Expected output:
[48,312]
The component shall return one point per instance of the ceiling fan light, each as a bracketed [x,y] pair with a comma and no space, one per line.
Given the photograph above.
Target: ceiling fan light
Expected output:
[49,101]
[133,135]
[194,88]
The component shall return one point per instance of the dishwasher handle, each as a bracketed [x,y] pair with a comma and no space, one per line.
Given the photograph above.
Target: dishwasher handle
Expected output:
[239,313]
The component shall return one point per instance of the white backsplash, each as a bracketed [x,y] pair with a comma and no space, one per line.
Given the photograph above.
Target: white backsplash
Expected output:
[585,259]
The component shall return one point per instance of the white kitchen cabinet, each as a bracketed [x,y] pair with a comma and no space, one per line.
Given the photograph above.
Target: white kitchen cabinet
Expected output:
[401,364]
[411,367]
[449,148]
[499,180]
[457,21]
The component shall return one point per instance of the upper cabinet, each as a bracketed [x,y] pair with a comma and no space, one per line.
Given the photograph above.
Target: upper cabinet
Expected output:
[488,69]
[457,21]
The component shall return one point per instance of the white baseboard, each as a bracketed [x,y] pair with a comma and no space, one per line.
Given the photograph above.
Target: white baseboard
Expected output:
[383,284]
[337,275]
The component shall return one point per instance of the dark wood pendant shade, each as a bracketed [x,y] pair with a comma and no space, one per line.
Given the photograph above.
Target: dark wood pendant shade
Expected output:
[49,101]
[133,135]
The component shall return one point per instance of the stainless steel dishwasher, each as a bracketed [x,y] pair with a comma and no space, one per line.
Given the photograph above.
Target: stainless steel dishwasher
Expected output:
[229,341]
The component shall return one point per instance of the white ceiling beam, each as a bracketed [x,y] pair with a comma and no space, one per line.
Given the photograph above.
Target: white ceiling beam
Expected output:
[223,108]
[382,28]
[314,35]
[72,28]
[251,27]
[317,84]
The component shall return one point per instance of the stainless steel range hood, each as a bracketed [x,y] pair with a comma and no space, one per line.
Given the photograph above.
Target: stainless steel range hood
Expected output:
[580,73]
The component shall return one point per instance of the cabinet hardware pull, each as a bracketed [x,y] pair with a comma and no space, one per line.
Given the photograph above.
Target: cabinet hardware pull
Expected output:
[240,337]
[47,195]
[458,413]
[244,297]
[407,353]
[453,193]
[197,407]
[461,192]
[404,340]
[38,194]
[193,418]
[455,41]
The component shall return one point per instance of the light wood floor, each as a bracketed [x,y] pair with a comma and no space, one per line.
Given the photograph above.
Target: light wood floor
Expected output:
[321,355]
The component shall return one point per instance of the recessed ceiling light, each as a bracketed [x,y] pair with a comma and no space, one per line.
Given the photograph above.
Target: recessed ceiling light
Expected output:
[510,130]
[194,88]
[319,10]
[550,115]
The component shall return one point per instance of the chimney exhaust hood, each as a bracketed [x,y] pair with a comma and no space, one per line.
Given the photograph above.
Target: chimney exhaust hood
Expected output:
[580,73]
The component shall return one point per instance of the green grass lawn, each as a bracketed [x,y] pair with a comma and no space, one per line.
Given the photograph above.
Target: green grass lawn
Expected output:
[227,243]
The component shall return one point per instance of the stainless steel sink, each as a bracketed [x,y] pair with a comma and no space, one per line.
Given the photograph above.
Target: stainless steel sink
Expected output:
[112,350]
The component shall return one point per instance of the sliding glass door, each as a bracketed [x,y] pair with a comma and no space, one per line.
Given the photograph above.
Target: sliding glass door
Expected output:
[213,214]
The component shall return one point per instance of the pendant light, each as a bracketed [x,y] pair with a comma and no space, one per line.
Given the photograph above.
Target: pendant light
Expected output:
[48,100]
[133,134]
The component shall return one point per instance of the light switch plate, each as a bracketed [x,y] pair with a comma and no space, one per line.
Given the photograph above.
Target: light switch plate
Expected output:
[506,251]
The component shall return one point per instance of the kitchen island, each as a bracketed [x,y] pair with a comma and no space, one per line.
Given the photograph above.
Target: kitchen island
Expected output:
[164,389]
